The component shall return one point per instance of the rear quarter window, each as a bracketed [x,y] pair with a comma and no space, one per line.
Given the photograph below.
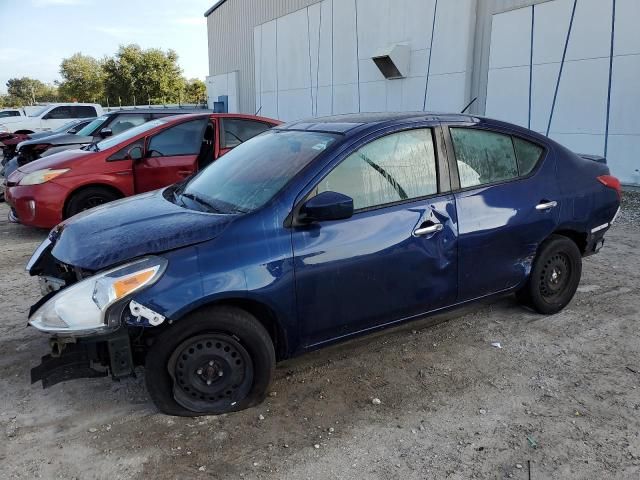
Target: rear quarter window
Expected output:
[528,155]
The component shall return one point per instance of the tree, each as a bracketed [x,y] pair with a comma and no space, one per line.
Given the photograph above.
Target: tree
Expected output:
[138,76]
[26,91]
[195,91]
[83,79]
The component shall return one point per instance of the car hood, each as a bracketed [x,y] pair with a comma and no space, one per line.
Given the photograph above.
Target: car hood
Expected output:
[59,139]
[57,160]
[125,229]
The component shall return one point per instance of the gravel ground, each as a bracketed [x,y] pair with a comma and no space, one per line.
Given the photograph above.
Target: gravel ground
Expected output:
[561,396]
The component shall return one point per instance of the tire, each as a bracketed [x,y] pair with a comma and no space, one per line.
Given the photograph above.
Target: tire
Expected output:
[88,198]
[554,277]
[225,346]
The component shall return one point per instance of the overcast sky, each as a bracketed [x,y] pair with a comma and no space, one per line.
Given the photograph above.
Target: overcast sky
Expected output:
[35,35]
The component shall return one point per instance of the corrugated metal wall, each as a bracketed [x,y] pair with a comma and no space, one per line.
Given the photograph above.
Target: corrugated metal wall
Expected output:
[230,34]
[485,11]
[231,47]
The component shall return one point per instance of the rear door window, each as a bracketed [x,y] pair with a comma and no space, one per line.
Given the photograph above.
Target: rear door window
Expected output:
[238,130]
[483,157]
[182,139]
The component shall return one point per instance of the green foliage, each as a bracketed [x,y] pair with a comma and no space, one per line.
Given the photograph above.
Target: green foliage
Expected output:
[83,79]
[195,91]
[132,76]
[140,76]
[26,91]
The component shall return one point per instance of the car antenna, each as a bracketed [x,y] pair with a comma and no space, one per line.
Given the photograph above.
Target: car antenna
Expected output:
[468,105]
[256,114]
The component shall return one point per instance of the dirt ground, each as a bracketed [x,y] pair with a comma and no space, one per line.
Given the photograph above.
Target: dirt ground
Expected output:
[561,397]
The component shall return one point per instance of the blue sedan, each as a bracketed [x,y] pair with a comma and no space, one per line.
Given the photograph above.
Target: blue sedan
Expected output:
[311,233]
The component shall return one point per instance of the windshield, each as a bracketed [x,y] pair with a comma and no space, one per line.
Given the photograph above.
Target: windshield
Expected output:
[65,127]
[88,130]
[128,134]
[36,113]
[252,173]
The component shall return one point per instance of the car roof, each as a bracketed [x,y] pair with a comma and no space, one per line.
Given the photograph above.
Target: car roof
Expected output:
[346,123]
[159,110]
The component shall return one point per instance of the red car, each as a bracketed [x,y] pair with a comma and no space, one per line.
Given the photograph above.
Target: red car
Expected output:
[147,157]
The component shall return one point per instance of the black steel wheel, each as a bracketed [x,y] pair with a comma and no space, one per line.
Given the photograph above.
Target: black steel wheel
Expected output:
[213,361]
[554,277]
[210,371]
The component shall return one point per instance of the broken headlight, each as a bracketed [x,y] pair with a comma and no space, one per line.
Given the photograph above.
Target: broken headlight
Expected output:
[81,309]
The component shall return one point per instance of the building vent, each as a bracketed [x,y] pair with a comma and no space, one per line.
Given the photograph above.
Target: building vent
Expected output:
[393,61]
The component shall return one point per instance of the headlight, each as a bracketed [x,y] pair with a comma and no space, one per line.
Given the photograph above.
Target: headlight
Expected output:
[82,308]
[41,176]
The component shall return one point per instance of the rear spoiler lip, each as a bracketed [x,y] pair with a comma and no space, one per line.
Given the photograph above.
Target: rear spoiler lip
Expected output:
[593,158]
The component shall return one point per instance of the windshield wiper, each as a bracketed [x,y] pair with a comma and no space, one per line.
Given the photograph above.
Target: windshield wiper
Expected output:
[201,201]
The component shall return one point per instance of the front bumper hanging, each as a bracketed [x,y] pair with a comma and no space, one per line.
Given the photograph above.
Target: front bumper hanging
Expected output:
[86,358]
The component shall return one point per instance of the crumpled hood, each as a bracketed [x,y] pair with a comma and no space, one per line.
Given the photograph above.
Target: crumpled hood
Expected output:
[129,228]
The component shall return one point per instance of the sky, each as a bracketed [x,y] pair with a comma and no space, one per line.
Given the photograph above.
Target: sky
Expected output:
[35,35]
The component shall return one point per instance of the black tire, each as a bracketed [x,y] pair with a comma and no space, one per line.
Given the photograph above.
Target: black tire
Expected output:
[554,277]
[217,338]
[88,198]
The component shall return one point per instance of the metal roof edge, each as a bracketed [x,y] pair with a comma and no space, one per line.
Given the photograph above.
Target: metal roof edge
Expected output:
[214,7]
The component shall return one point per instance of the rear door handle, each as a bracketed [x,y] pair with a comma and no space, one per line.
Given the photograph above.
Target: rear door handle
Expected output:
[184,173]
[547,205]
[422,231]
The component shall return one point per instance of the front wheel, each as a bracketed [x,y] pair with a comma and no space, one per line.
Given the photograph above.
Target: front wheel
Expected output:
[88,198]
[554,277]
[212,362]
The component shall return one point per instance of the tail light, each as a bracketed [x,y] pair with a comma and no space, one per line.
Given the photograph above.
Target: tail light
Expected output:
[610,181]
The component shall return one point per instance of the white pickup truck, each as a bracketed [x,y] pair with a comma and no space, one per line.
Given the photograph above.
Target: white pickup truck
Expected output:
[47,117]
[11,112]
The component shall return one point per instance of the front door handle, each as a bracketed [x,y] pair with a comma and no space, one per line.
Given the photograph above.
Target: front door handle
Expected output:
[546,205]
[428,230]
[184,173]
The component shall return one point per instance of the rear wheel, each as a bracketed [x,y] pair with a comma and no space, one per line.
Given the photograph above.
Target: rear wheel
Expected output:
[212,362]
[89,198]
[554,277]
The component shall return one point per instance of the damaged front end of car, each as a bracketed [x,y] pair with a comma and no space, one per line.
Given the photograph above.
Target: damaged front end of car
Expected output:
[87,315]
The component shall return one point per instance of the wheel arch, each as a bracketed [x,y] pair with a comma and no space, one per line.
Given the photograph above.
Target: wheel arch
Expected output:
[23,131]
[578,237]
[262,312]
[105,186]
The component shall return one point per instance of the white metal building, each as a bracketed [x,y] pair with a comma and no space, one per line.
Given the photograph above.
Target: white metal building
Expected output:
[566,68]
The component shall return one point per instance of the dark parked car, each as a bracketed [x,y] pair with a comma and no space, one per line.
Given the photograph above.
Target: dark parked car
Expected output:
[111,123]
[308,234]
[9,142]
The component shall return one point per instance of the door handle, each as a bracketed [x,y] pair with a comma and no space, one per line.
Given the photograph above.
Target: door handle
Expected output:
[422,231]
[546,205]
[184,173]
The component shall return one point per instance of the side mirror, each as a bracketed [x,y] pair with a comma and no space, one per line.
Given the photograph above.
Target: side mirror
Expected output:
[326,206]
[134,153]
[73,131]
[106,132]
